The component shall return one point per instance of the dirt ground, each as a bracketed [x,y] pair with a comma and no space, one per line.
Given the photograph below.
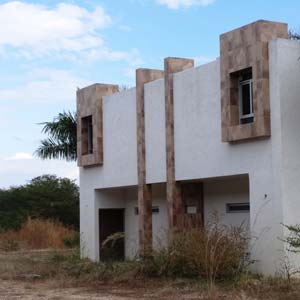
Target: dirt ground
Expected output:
[17,290]
[52,275]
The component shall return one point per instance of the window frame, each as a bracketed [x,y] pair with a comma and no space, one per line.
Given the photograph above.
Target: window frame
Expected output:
[241,84]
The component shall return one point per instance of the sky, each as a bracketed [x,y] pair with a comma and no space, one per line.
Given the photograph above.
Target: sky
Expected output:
[50,48]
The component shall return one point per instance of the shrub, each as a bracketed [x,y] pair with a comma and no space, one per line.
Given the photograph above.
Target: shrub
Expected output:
[72,241]
[39,234]
[293,239]
[214,252]
[9,245]
[44,197]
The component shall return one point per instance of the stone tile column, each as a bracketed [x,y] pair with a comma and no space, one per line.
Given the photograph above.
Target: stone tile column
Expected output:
[174,196]
[144,190]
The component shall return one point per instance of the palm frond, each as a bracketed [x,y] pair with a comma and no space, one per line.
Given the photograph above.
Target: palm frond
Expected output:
[62,141]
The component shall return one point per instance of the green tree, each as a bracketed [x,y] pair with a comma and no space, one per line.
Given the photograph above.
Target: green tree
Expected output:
[294,35]
[293,239]
[62,141]
[44,197]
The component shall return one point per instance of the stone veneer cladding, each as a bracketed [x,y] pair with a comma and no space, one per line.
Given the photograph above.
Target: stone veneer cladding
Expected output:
[89,103]
[247,47]
[144,190]
[174,194]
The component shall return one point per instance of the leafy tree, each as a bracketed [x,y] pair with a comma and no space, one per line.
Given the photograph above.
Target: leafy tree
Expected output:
[293,239]
[294,35]
[62,140]
[45,197]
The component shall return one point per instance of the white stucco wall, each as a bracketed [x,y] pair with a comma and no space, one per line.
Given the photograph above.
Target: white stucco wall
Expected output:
[272,165]
[200,153]
[159,221]
[155,133]
[120,144]
[219,192]
[286,56]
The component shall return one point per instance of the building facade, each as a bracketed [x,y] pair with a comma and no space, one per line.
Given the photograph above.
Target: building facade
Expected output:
[188,141]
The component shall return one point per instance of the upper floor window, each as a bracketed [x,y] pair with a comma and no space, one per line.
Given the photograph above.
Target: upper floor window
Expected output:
[246,97]
[87,135]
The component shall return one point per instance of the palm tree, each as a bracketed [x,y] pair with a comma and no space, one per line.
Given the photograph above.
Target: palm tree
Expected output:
[61,142]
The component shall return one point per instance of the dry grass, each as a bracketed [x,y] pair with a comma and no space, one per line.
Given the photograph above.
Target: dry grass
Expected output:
[217,252]
[64,269]
[36,234]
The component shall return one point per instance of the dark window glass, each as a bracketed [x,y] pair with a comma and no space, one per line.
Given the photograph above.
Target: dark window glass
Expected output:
[247,120]
[246,99]
[155,210]
[237,207]
[87,135]
[247,74]
[90,135]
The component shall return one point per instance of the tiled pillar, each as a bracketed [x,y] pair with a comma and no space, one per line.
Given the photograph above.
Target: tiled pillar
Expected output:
[174,195]
[144,190]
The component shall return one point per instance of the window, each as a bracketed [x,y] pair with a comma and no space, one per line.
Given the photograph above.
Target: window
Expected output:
[155,210]
[246,97]
[87,135]
[238,207]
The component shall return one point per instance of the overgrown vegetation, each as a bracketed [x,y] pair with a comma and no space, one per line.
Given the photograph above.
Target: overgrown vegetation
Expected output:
[294,35]
[293,239]
[65,268]
[217,252]
[39,234]
[44,197]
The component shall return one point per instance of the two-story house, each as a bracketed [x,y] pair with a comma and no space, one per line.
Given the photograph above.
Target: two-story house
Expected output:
[190,141]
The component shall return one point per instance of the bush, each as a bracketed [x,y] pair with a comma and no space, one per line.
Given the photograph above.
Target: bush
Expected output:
[72,241]
[214,252]
[38,234]
[8,245]
[44,197]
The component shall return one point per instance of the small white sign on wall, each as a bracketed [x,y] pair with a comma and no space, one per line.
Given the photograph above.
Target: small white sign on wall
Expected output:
[192,210]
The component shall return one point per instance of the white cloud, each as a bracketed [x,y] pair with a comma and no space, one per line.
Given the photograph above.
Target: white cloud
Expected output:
[66,31]
[175,4]
[20,171]
[45,86]
[20,156]
[133,56]
[35,28]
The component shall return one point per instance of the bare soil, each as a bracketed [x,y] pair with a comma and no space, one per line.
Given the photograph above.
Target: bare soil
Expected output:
[16,290]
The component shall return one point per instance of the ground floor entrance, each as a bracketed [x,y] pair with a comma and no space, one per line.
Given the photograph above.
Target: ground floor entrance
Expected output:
[111,222]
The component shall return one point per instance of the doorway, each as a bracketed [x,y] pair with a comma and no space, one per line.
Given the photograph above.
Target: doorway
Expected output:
[111,221]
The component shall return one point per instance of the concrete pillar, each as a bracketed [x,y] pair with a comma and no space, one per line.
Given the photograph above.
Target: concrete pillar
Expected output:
[144,190]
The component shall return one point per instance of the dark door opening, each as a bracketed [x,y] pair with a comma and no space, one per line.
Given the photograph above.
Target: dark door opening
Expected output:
[111,221]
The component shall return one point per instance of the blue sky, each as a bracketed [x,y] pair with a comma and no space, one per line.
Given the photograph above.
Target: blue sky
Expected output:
[49,48]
